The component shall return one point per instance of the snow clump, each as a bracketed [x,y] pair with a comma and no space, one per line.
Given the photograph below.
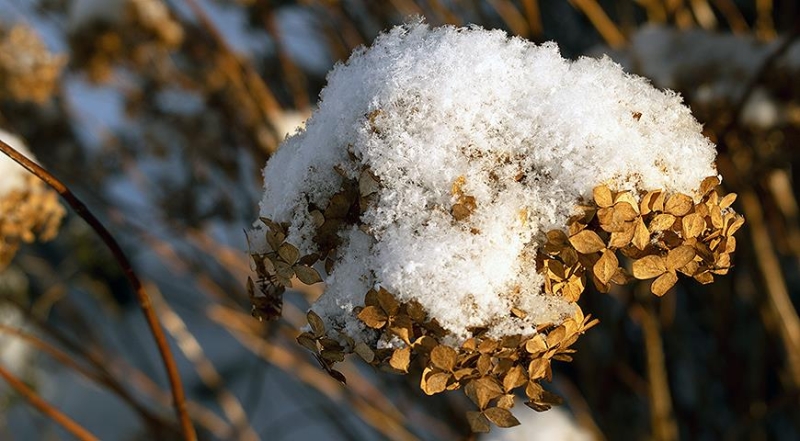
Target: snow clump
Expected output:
[467,146]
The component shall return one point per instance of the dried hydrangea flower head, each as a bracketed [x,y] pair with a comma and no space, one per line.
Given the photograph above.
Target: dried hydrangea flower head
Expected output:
[103,32]
[458,188]
[28,208]
[28,71]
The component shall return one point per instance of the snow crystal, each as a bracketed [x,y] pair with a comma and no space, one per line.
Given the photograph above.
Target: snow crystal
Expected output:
[528,133]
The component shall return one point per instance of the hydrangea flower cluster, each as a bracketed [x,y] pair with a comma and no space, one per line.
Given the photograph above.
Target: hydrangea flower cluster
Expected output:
[457,189]
[29,208]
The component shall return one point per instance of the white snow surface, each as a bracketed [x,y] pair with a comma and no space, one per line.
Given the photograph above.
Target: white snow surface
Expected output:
[12,175]
[425,106]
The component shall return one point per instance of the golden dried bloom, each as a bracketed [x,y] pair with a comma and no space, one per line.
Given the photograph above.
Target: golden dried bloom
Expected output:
[29,209]
[28,71]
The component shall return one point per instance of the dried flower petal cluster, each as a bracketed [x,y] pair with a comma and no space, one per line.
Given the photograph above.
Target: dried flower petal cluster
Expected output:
[29,210]
[103,33]
[662,234]
[28,71]
[456,190]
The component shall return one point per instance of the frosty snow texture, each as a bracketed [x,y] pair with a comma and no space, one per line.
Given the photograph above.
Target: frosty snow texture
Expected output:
[436,114]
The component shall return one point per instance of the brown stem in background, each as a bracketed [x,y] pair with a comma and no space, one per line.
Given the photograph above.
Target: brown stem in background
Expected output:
[663,422]
[80,208]
[44,407]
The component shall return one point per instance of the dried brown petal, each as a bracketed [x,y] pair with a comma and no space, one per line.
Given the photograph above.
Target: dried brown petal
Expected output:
[306,274]
[587,242]
[501,417]
[692,225]
[679,257]
[435,383]
[373,317]
[602,196]
[641,236]
[515,378]
[444,357]
[478,422]
[506,401]
[307,341]
[606,267]
[536,345]
[648,267]
[708,184]
[621,239]
[288,253]
[401,358]
[662,222]
[727,201]
[663,283]
[387,301]
[364,352]
[678,204]
[486,389]
[316,323]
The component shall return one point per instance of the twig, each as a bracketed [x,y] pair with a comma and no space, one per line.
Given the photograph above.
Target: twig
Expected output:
[80,208]
[193,351]
[44,407]
[600,20]
[663,421]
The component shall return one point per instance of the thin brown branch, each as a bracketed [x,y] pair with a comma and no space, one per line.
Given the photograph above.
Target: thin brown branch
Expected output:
[663,422]
[44,407]
[80,208]
[193,351]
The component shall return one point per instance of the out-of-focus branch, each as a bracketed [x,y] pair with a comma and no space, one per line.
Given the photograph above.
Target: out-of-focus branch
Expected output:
[44,407]
[80,208]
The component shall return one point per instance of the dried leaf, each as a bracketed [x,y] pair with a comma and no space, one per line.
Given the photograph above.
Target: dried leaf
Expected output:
[415,311]
[373,316]
[478,422]
[648,267]
[692,225]
[316,323]
[501,417]
[662,284]
[602,196]
[401,358]
[306,274]
[444,357]
[587,242]
[679,257]
[460,211]
[678,204]
[606,267]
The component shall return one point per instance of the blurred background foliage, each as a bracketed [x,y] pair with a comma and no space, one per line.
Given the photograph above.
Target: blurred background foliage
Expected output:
[160,115]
